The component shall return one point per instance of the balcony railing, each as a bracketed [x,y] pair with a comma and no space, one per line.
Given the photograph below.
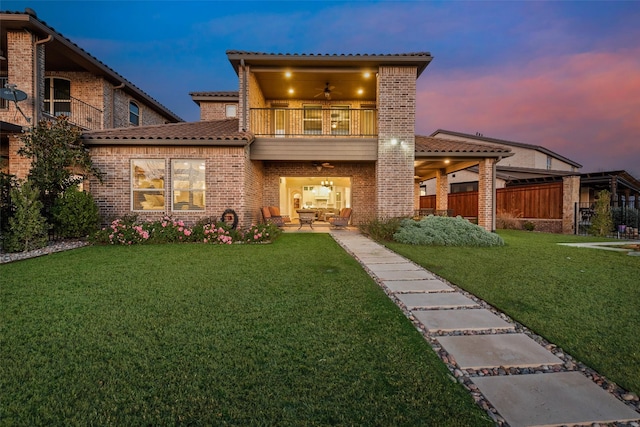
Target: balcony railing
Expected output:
[79,113]
[310,122]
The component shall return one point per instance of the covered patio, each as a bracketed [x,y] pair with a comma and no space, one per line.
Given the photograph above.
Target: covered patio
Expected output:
[436,158]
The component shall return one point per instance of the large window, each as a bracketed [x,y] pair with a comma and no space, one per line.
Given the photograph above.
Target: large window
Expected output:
[147,185]
[188,177]
[312,120]
[134,113]
[57,96]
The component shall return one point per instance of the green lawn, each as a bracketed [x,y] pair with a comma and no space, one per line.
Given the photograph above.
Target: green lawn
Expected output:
[586,301]
[292,333]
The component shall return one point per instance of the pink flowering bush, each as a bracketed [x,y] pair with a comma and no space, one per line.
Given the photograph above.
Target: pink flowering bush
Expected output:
[130,231]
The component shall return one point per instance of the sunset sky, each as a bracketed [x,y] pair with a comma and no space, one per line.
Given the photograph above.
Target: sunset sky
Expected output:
[563,75]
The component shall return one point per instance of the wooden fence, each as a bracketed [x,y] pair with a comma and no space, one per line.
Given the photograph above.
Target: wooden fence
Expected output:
[542,201]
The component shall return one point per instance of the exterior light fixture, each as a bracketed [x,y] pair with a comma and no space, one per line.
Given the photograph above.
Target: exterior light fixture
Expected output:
[394,141]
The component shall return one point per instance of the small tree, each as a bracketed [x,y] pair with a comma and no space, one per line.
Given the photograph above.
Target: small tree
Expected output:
[27,227]
[59,159]
[602,222]
[7,182]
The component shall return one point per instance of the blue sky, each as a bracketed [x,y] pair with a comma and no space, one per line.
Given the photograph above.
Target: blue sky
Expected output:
[564,75]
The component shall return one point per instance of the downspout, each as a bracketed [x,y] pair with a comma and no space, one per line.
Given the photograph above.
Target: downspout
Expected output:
[244,97]
[113,103]
[36,88]
[495,195]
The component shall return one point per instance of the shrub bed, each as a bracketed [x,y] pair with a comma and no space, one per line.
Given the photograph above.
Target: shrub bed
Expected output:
[130,231]
[445,231]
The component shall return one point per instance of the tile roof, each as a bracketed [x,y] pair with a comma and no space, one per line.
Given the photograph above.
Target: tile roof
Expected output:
[217,94]
[430,145]
[214,132]
[510,143]
[329,55]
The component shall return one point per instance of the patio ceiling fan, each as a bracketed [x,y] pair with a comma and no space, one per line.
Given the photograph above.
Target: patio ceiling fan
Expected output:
[319,165]
[326,91]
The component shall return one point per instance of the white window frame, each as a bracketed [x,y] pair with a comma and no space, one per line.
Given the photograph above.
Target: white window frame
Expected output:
[50,84]
[188,176]
[147,186]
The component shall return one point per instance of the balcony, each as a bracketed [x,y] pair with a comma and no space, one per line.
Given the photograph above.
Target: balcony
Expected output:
[313,122]
[81,114]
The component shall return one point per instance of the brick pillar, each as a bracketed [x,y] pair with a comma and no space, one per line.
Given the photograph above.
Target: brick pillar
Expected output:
[22,71]
[416,195]
[396,141]
[442,190]
[486,194]
[570,196]
[18,165]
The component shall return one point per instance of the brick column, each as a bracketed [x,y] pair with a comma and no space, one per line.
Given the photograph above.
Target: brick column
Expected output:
[396,141]
[416,195]
[442,190]
[486,207]
[570,196]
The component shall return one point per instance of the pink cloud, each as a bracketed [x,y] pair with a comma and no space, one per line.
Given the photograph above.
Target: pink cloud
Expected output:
[583,106]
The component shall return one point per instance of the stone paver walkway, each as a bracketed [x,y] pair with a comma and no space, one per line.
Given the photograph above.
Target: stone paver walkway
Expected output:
[515,377]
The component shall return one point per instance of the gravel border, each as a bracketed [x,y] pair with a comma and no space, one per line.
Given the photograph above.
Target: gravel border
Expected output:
[52,247]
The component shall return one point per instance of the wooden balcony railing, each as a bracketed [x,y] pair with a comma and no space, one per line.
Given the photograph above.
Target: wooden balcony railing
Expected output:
[310,122]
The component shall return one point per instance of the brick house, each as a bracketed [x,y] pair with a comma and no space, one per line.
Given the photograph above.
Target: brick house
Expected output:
[302,130]
[60,78]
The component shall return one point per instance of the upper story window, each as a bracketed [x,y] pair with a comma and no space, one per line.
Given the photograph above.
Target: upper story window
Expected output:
[231,110]
[134,114]
[340,120]
[549,159]
[312,121]
[3,102]
[57,96]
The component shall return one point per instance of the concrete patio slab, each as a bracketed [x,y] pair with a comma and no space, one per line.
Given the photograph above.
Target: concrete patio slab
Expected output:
[443,300]
[494,351]
[396,266]
[554,399]
[462,320]
[426,285]
[403,275]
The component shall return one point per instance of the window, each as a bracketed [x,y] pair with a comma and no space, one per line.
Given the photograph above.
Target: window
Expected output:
[57,97]
[188,177]
[463,187]
[147,185]
[549,159]
[134,114]
[231,110]
[3,102]
[312,120]
[340,120]
[368,120]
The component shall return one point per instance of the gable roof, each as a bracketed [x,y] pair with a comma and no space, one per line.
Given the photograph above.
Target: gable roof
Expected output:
[64,55]
[509,143]
[418,59]
[429,146]
[213,132]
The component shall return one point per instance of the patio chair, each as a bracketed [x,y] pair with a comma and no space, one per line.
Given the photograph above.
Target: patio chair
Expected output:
[275,211]
[342,219]
[266,214]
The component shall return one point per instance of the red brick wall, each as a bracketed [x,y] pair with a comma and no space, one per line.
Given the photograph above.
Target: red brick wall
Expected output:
[225,171]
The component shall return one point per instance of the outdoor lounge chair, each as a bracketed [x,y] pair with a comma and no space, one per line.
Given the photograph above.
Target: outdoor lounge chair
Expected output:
[342,219]
[274,219]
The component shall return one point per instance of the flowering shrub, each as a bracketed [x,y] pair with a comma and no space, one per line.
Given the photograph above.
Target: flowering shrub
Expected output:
[130,231]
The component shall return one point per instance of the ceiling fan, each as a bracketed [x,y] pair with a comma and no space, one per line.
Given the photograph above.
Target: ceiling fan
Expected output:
[326,91]
[319,166]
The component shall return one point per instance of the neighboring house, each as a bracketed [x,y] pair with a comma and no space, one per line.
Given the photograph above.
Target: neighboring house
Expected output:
[316,131]
[528,162]
[60,78]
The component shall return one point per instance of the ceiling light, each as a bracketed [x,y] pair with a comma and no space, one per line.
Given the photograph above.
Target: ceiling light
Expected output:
[367,75]
[446,162]
[287,74]
[360,91]
[291,91]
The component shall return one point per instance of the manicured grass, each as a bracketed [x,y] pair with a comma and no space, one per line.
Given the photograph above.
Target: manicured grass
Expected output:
[586,301]
[292,333]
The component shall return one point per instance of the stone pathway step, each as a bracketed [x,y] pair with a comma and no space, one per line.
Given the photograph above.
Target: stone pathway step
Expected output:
[554,399]
[417,286]
[495,351]
[436,300]
[462,320]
